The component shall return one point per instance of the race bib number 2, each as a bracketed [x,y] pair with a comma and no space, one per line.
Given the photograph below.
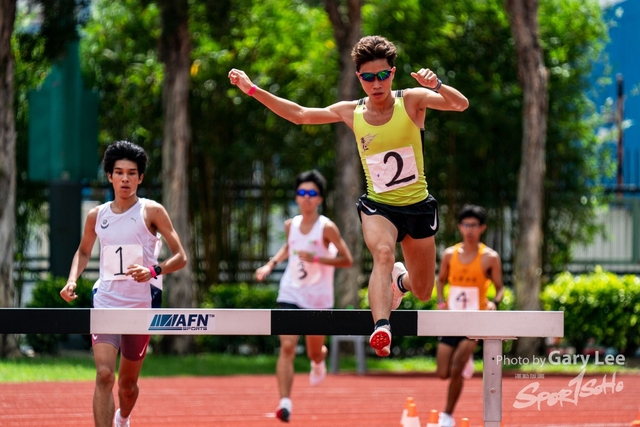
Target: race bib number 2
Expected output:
[392,169]
[116,259]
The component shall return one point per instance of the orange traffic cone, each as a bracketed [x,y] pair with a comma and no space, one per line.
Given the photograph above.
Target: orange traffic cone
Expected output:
[637,421]
[465,422]
[412,419]
[433,421]
[403,418]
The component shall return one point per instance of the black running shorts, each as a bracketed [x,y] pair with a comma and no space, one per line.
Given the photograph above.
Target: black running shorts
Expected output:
[419,220]
[452,341]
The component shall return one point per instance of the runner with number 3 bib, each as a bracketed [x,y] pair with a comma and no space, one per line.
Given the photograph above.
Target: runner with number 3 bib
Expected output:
[314,248]
[388,127]
[129,230]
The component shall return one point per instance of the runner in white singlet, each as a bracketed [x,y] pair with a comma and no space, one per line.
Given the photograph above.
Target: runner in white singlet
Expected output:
[128,229]
[314,248]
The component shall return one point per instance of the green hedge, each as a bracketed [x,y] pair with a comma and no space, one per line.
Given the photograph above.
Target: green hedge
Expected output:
[239,296]
[598,305]
[46,294]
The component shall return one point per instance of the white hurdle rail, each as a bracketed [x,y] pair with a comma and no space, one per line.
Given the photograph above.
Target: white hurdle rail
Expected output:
[491,326]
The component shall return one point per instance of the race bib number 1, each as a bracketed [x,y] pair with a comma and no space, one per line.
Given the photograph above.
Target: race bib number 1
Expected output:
[116,259]
[392,169]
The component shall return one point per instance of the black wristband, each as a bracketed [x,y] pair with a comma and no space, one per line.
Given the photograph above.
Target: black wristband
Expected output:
[435,89]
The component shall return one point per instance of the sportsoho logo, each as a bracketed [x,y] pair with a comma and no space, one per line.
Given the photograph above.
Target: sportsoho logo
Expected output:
[181,322]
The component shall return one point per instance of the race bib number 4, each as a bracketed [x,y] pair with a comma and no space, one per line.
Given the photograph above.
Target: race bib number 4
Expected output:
[464,298]
[392,169]
[116,259]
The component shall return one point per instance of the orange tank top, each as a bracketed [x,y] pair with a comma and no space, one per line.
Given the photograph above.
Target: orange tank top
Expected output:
[467,282]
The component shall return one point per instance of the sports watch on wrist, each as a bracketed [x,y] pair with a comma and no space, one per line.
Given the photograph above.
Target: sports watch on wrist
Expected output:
[157,269]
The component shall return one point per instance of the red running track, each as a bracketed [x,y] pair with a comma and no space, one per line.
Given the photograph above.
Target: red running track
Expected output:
[371,400]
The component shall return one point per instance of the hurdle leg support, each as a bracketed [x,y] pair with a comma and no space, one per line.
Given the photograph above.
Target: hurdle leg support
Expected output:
[492,382]
[492,378]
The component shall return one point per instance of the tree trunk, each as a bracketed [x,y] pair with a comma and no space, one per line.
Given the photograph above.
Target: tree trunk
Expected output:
[347,31]
[523,18]
[175,49]
[8,343]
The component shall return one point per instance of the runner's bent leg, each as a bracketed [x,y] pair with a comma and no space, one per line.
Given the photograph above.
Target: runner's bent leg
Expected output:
[420,260]
[317,353]
[316,350]
[460,356]
[444,353]
[128,384]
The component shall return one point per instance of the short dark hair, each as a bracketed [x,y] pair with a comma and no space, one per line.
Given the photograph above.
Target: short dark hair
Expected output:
[472,211]
[124,150]
[370,48]
[312,176]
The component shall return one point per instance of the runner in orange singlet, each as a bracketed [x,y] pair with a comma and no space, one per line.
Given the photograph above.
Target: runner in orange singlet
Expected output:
[469,267]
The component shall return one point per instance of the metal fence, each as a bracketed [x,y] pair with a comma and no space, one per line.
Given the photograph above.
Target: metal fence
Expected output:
[617,250]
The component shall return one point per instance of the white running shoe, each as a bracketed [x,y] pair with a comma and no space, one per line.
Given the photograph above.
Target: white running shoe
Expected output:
[283,411]
[380,340]
[117,420]
[467,371]
[318,372]
[446,420]
[398,270]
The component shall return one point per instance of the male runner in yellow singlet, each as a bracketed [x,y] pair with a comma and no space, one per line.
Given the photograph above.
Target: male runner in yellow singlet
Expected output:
[388,127]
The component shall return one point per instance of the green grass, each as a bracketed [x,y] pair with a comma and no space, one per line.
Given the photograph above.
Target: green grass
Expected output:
[81,367]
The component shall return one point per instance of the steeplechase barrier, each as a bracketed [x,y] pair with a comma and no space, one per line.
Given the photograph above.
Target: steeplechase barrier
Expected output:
[490,326]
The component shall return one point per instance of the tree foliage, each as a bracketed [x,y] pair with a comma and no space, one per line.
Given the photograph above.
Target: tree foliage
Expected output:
[475,156]
[243,158]
[32,67]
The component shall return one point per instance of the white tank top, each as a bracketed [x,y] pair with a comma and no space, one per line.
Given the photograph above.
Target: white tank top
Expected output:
[124,240]
[308,284]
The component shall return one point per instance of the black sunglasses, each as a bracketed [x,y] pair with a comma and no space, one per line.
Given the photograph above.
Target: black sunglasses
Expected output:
[381,75]
[312,193]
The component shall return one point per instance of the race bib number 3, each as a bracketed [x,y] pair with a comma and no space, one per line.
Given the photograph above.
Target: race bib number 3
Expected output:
[305,273]
[392,169]
[116,259]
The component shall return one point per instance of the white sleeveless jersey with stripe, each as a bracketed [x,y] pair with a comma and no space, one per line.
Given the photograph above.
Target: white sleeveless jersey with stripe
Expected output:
[308,284]
[124,240]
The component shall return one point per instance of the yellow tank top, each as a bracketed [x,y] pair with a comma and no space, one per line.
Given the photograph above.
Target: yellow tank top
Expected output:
[391,156]
[467,282]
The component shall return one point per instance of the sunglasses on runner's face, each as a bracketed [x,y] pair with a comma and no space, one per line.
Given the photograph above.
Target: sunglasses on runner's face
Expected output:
[311,193]
[470,225]
[381,75]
